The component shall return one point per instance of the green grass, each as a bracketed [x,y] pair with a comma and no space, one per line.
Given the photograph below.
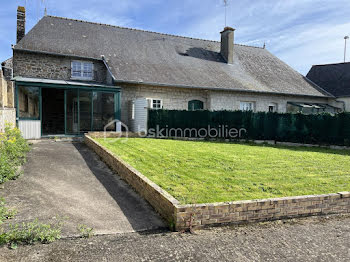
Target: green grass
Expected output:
[202,172]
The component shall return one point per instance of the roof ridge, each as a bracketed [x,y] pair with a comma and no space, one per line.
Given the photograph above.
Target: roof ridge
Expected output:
[340,63]
[141,30]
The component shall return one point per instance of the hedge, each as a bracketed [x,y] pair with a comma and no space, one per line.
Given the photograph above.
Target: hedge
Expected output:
[297,128]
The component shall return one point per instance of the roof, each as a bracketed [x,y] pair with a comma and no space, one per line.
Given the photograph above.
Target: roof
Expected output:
[147,57]
[334,78]
[59,82]
[7,63]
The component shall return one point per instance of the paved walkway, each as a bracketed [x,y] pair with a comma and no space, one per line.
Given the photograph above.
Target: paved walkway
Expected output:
[65,179]
[309,239]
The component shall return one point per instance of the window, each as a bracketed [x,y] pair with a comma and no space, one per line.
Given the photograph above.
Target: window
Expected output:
[272,107]
[28,102]
[82,70]
[155,103]
[246,106]
[194,105]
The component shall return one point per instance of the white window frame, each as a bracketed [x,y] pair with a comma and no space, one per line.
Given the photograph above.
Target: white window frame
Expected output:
[82,66]
[247,106]
[151,102]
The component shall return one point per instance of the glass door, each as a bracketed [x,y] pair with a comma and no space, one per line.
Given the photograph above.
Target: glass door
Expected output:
[85,111]
[71,112]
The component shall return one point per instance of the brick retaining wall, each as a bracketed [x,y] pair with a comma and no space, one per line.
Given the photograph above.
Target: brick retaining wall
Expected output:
[262,210]
[198,215]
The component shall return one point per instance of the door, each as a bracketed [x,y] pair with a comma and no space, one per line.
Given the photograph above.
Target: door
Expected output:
[72,109]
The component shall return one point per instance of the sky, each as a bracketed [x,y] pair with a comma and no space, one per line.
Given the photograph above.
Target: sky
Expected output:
[302,33]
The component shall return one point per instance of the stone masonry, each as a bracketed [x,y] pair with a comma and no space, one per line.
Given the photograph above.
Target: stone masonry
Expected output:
[178,98]
[45,66]
[198,215]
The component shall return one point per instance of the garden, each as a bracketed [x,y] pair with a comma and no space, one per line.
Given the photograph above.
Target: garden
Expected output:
[207,171]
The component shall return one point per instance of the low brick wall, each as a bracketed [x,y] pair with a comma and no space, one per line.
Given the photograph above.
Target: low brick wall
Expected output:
[161,201]
[198,215]
[262,210]
[7,115]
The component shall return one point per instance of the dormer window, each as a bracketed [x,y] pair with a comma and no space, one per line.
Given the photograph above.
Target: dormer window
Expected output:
[82,70]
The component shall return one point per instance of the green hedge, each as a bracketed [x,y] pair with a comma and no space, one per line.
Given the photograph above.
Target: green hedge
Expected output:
[298,128]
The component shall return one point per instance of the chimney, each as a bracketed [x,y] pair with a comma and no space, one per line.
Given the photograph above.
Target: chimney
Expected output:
[21,23]
[227,38]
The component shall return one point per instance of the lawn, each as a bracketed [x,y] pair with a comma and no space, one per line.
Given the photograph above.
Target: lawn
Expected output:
[203,172]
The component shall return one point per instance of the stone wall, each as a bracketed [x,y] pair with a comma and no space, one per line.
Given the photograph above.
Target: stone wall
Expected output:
[222,100]
[178,98]
[346,101]
[37,65]
[199,215]
[173,98]
[7,115]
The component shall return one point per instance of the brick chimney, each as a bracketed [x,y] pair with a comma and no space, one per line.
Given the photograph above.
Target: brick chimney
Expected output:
[227,38]
[21,23]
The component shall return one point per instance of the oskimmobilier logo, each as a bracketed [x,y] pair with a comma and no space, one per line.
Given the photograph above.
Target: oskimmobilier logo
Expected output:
[118,127]
[220,132]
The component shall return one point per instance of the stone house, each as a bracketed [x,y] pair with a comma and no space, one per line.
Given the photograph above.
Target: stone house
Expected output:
[81,75]
[335,79]
[7,111]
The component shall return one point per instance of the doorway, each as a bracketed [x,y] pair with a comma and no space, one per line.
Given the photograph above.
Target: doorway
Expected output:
[52,111]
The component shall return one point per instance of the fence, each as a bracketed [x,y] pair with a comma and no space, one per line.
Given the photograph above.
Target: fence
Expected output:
[297,128]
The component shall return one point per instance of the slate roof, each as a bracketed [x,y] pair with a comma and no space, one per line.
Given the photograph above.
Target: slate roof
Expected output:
[148,57]
[335,78]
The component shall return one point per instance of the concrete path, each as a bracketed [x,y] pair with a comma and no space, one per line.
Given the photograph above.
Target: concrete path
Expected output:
[309,239]
[66,179]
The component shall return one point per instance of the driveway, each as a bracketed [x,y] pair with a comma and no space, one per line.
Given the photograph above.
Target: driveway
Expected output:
[308,239]
[67,180]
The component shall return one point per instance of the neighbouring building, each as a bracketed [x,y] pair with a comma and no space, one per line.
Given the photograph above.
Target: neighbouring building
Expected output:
[335,79]
[74,76]
[7,111]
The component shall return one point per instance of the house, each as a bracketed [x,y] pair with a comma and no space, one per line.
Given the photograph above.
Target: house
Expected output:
[7,111]
[335,79]
[74,76]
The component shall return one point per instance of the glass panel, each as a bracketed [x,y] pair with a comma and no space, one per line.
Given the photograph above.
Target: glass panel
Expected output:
[103,104]
[76,69]
[72,112]
[28,102]
[85,111]
[87,70]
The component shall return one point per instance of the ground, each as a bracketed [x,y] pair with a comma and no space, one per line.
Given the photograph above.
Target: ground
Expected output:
[310,239]
[202,171]
[67,180]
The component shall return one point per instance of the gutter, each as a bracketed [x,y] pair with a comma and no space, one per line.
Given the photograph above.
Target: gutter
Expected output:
[108,68]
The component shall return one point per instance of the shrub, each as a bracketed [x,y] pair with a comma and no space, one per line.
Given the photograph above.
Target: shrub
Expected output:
[30,232]
[13,149]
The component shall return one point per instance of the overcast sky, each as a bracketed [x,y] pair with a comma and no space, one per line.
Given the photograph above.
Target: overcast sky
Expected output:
[300,32]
